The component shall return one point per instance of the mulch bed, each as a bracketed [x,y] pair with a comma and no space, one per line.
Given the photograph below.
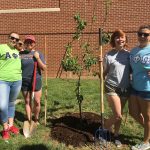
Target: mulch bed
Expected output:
[71,130]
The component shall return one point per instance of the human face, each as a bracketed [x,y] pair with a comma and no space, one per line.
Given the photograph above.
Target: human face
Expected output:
[29,44]
[120,42]
[13,39]
[144,37]
[19,46]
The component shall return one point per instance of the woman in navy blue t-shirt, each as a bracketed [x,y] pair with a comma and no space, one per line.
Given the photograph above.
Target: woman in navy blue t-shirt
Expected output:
[29,56]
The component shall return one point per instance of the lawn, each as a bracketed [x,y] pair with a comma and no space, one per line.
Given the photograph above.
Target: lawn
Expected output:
[62,100]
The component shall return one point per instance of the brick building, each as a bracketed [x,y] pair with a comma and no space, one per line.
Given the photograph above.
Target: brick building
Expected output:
[58,26]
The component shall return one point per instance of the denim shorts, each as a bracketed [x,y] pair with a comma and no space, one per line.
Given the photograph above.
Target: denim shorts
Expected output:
[111,90]
[27,84]
[143,94]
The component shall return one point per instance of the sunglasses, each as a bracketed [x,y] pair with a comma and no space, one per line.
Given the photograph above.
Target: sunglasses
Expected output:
[13,38]
[140,34]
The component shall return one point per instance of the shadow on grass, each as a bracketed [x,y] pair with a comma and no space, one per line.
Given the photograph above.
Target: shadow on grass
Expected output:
[56,106]
[129,139]
[34,147]
[20,116]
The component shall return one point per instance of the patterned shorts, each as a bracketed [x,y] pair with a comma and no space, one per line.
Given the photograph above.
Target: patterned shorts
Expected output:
[112,90]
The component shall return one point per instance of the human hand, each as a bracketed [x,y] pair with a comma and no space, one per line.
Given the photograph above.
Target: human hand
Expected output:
[99,58]
[148,72]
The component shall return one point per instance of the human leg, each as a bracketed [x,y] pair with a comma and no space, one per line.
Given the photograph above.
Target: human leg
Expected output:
[118,123]
[8,94]
[4,100]
[28,103]
[115,105]
[145,108]
[14,91]
[135,110]
[37,104]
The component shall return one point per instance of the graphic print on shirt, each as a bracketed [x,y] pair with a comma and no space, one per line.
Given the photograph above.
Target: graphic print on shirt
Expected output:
[26,56]
[145,59]
[8,55]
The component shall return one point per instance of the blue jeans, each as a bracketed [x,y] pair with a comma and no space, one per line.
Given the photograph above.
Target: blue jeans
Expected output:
[8,94]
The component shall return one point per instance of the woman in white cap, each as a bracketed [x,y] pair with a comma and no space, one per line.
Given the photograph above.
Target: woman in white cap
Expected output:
[29,56]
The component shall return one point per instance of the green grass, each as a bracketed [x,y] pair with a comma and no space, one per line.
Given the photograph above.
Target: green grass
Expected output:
[61,100]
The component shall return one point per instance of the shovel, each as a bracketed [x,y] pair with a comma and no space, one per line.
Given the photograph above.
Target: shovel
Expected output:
[46,87]
[29,126]
[102,135]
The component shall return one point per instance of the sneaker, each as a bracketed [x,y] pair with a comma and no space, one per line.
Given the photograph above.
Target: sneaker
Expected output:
[142,146]
[117,142]
[5,134]
[14,130]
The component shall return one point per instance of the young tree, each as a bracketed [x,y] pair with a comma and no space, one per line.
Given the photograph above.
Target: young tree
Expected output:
[72,63]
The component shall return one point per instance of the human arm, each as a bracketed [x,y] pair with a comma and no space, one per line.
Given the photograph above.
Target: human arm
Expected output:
[41,65]
[105,66]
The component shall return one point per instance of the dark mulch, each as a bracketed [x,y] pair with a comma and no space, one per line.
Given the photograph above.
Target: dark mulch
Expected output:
[71,130]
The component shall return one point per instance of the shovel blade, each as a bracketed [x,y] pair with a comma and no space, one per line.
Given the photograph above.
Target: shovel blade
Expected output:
[26,129]
[102,138]
[103,134]
[33,128]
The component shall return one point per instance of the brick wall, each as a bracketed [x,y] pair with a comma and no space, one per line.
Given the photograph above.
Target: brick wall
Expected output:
[59,26]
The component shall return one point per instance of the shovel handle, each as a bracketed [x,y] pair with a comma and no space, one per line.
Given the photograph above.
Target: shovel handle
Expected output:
[101,78]
[46,86]
[101,72]
[33,87]
[34,79]
[33,94]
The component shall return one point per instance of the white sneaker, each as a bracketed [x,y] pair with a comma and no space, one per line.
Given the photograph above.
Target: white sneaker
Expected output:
[118,143]
[142,146]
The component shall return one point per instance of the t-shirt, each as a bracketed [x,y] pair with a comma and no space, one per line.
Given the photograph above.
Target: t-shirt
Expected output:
[10,64]
[27,60]
[140,62]
[117,65]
